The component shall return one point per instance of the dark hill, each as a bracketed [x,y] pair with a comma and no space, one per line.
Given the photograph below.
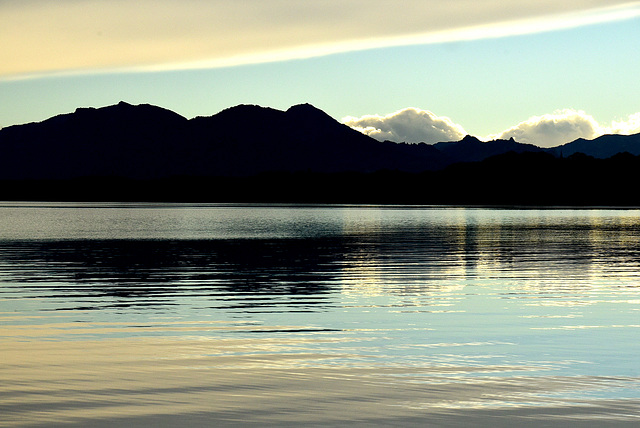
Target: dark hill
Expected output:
[245,140]
[119,140]
[147,142]
[541,179]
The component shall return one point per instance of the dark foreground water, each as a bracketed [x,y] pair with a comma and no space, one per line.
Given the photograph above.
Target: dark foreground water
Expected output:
[227,315]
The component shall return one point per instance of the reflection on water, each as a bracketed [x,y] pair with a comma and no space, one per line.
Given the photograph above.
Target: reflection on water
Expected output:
[242,274]
[143,314]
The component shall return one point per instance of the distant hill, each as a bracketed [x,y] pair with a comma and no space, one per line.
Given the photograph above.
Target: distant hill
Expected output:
[602,147]
[471,149]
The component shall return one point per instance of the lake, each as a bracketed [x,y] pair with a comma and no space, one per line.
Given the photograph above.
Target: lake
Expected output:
[299,315]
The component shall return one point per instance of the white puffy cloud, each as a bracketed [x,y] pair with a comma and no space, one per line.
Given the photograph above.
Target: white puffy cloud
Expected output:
[550,130]
[566,125]
[413,125]
[409,125]
[80,35]
[626,127]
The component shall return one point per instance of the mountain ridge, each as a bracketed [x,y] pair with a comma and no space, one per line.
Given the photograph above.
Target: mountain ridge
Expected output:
[145,141]
[149,142]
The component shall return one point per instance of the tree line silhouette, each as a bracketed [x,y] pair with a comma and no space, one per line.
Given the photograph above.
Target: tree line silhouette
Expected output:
[526,179]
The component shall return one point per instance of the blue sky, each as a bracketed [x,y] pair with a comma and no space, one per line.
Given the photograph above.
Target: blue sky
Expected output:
[549,85]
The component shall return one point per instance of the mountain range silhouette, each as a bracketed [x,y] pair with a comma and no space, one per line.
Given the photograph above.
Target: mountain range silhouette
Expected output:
[250,152]
[147,142]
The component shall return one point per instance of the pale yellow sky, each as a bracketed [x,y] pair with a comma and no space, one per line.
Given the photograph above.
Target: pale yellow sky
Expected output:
[84,35]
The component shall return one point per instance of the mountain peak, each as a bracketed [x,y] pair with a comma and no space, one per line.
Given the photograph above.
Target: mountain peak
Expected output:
[307,111]
[304,107]
[470,139]
[246,108]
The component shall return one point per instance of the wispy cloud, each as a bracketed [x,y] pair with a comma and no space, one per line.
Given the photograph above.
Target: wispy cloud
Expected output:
[409,125]
[82,35]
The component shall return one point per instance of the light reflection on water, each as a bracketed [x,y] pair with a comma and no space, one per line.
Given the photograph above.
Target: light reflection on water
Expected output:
[140,313]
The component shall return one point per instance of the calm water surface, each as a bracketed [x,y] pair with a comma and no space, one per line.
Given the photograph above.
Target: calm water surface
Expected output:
[229,315]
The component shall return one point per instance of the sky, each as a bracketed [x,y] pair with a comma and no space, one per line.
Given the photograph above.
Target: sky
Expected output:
[544,72]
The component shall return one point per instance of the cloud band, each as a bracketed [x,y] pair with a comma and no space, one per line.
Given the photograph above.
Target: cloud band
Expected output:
[84,35]
[549,130]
